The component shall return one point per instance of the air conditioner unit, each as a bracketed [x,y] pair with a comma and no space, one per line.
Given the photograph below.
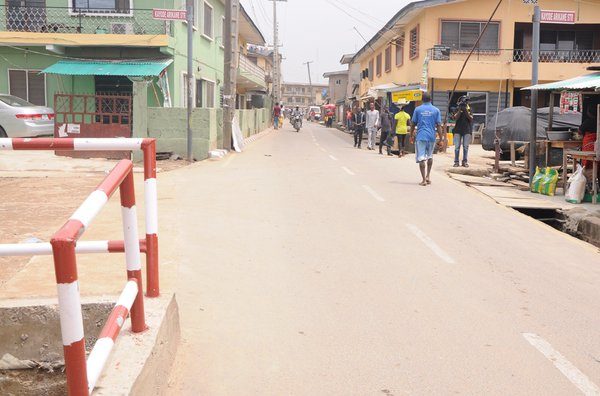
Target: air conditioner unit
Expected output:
[121,28]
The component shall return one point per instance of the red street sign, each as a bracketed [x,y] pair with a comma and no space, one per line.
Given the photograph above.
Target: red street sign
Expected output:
[549,16]
[169,15]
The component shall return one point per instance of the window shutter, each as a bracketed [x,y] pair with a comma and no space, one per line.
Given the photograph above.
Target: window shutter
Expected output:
[37,88]
[18,83]
[469,32]
[450,34]
[489,40]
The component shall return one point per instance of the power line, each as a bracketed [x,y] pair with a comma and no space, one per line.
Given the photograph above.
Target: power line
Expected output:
[330,2]
[362,12]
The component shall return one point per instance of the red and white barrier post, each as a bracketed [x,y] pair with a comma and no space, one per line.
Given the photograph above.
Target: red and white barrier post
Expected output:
[110,331]
[132,250]
[151,204]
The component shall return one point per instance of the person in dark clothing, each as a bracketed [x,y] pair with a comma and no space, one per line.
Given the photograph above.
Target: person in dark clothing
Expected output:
[386,130]
[463,131]
[358,123]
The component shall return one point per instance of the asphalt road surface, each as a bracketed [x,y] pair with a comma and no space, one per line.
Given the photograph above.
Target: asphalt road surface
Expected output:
[312,268]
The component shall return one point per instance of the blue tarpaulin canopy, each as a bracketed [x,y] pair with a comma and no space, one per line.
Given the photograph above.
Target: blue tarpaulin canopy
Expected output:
[128,68]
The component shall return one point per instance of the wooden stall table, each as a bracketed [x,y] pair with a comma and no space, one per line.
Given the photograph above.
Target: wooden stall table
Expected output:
[564,145]
[588,156]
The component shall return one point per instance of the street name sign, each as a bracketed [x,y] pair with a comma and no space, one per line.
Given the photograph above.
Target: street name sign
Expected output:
[550,16]
[169,15]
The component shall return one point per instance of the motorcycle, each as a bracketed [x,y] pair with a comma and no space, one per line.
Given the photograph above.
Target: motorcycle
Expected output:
[297,122]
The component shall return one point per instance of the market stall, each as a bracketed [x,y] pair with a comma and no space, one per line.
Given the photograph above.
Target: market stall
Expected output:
[579,94]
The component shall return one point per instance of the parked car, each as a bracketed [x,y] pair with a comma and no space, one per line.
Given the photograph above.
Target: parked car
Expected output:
[515,123]
[314,113]
[19,118]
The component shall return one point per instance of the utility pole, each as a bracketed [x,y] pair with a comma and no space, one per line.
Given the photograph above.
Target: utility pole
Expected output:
[231,49]
[310,87]
[190,77]
[276,65]
[535,57]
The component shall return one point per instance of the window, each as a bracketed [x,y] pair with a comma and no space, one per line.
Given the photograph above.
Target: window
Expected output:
[207,29]
[210,93]
[413,50]
[371,70]
[378,65]
[205,93]
[223,32]
[29,85]
[400,50]
[196,16]
[184,91]
[102,6]
[461,35]
[388,59]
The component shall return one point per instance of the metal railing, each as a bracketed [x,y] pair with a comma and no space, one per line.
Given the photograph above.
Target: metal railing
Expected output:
[516,55]
[81,20]
[247,66]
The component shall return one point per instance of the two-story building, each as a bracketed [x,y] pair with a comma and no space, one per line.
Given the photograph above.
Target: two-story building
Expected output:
[98,46]
[424,45]
[300,94]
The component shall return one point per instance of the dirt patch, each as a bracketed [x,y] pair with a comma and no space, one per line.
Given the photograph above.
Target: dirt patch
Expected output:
[33,382]
[35,208]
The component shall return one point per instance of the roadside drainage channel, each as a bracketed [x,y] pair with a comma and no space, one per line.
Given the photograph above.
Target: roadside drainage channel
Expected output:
[578,222]
[31,347]
[30,343]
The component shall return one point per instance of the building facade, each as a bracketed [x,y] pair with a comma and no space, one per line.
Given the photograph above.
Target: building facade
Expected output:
[424,45]
[300,94]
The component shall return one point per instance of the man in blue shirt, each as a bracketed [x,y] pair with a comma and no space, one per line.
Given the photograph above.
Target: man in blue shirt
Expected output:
[428,120]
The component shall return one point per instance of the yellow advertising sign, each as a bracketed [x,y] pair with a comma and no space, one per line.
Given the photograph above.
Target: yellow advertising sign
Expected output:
[409,96]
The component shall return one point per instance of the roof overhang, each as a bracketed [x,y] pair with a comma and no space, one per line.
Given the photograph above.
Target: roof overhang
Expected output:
[585,82]
[335,73]
[137,68]
[402,17]
[346,59]
[249,30]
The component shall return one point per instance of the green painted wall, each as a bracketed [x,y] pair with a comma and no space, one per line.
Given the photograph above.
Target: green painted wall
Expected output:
[169,126]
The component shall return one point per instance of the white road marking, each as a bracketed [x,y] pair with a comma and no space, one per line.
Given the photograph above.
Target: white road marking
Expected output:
[322,149]
[332,157]
[373,193]
[572,373]
[430,243]
[348,171]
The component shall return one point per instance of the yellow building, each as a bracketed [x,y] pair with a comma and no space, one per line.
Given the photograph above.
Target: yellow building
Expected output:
[425,44]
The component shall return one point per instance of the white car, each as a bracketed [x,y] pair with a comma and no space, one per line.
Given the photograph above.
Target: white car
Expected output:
[19,118]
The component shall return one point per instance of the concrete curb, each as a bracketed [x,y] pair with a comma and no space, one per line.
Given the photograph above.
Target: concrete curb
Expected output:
[140,363]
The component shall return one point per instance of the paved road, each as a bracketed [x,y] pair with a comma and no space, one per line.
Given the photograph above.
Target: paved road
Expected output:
[313,268]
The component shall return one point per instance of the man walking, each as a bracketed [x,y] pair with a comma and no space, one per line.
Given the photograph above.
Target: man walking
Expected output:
[463,131]
[386,131]
[358,123]
[276,115]
[372,125]
[402,120]
[428,120]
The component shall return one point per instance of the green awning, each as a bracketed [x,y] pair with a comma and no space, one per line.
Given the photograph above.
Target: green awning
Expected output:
[137,68]
[588,81]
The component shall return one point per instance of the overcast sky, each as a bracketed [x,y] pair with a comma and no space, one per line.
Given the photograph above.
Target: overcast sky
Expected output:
[320,30]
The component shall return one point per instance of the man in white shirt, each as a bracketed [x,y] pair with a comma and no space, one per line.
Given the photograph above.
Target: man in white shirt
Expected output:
[372,125]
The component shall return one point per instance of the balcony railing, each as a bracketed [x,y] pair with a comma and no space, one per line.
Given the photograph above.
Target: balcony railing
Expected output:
[79,20]
[516,55]
[247,66]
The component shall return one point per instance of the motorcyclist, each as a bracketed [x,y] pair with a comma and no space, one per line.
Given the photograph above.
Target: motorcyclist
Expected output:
[296,113]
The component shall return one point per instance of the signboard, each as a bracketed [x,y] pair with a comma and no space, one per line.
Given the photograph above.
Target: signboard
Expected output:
[169,15]
[550,16]
[409,96]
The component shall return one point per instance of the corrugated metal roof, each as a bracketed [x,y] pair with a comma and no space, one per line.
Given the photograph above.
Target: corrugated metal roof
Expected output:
[588,81]
[137,68]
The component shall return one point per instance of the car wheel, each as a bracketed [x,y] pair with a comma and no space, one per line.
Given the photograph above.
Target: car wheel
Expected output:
[3,133]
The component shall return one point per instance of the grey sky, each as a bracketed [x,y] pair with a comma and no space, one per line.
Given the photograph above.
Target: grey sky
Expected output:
[320,30]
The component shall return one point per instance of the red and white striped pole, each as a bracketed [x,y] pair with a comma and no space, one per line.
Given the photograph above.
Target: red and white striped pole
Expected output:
[151,204]
[69,303]
[132,250]
[110,331]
